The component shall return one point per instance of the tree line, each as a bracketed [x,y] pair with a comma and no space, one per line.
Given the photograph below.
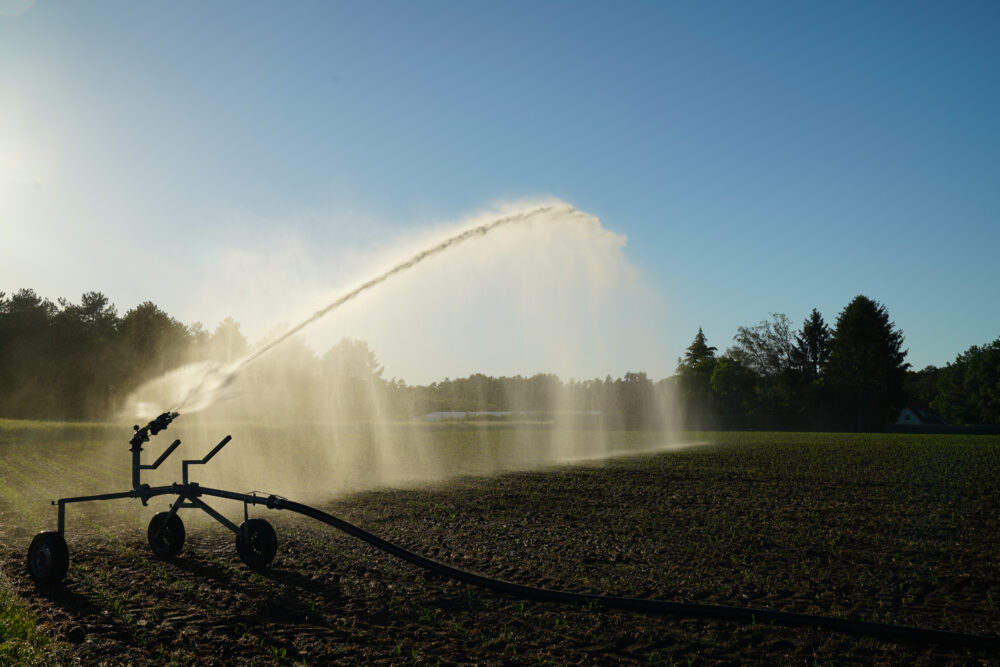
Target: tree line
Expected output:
[847,377]
[852,376]
[68,360]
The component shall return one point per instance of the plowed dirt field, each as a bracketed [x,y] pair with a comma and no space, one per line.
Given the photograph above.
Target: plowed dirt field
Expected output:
[893,529]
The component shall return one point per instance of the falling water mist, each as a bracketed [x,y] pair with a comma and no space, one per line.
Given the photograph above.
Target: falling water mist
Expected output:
[549,276]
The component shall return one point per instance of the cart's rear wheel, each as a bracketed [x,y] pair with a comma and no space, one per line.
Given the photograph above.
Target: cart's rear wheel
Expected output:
[48,558]
[256,543]
[166,534]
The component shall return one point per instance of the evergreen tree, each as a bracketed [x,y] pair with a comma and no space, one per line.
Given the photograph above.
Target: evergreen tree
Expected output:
[812,348]
[84,338]
[151,343]
[808,361]
[227,343]
[695,376]
[698,351]
[27,365]
[866,366]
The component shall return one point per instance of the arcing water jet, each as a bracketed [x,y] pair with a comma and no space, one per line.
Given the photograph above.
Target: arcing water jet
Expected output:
[205,382]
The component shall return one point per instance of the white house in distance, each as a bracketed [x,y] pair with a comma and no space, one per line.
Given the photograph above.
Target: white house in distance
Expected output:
[909,417]
[912,416]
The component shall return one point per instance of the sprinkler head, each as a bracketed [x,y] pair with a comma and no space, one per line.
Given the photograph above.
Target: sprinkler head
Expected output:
[152,428]
[161,422]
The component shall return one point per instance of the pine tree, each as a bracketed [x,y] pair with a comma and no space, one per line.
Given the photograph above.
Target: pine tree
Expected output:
[866,367]
[694,376]
[812,348]
[698,351]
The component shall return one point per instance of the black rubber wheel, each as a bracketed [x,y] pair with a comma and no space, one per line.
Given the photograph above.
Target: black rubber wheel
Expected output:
[166,536]
[257,543]
[48,558]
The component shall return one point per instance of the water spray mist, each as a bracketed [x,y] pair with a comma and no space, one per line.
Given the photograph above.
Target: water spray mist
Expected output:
[212,379]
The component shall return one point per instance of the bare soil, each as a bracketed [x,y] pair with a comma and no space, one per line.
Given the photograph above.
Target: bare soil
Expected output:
[896,532]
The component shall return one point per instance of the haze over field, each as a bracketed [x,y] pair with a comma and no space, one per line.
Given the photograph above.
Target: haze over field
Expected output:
[546,273]
[554,296]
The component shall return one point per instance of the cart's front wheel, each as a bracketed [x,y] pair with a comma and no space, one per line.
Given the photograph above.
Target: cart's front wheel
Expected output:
[256,543]
[48,558]
[166,534]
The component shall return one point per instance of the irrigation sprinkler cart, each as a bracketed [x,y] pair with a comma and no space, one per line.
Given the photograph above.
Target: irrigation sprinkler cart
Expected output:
[256,541]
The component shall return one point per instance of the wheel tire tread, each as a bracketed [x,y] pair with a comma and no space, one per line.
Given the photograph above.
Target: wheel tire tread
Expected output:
[260,545]
[53,569]
[174,542]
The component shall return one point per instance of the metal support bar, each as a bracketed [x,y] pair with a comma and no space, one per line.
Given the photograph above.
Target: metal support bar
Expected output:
[62,502]
[136,466]
[179,503]
[219,446]
[173,512]
[215,515]
[194,462]
[186,498]
[152,491]
[162,458]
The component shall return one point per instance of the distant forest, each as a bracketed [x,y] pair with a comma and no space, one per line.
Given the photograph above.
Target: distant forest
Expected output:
[68,360]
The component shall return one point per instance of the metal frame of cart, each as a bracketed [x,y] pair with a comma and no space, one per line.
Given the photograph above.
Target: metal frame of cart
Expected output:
[256,540]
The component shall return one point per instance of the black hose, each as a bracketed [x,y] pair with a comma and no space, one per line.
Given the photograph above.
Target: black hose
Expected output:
[688,609]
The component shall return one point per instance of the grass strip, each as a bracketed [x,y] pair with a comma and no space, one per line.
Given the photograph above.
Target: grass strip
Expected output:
[20,640]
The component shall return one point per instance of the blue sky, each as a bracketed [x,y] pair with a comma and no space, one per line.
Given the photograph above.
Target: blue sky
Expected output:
[759,157]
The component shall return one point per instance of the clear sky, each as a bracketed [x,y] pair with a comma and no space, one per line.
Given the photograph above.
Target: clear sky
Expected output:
[758,157]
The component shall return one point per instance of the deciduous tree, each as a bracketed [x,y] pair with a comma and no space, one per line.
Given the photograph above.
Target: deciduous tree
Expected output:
[765,350]
[734,387]
[968,390]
